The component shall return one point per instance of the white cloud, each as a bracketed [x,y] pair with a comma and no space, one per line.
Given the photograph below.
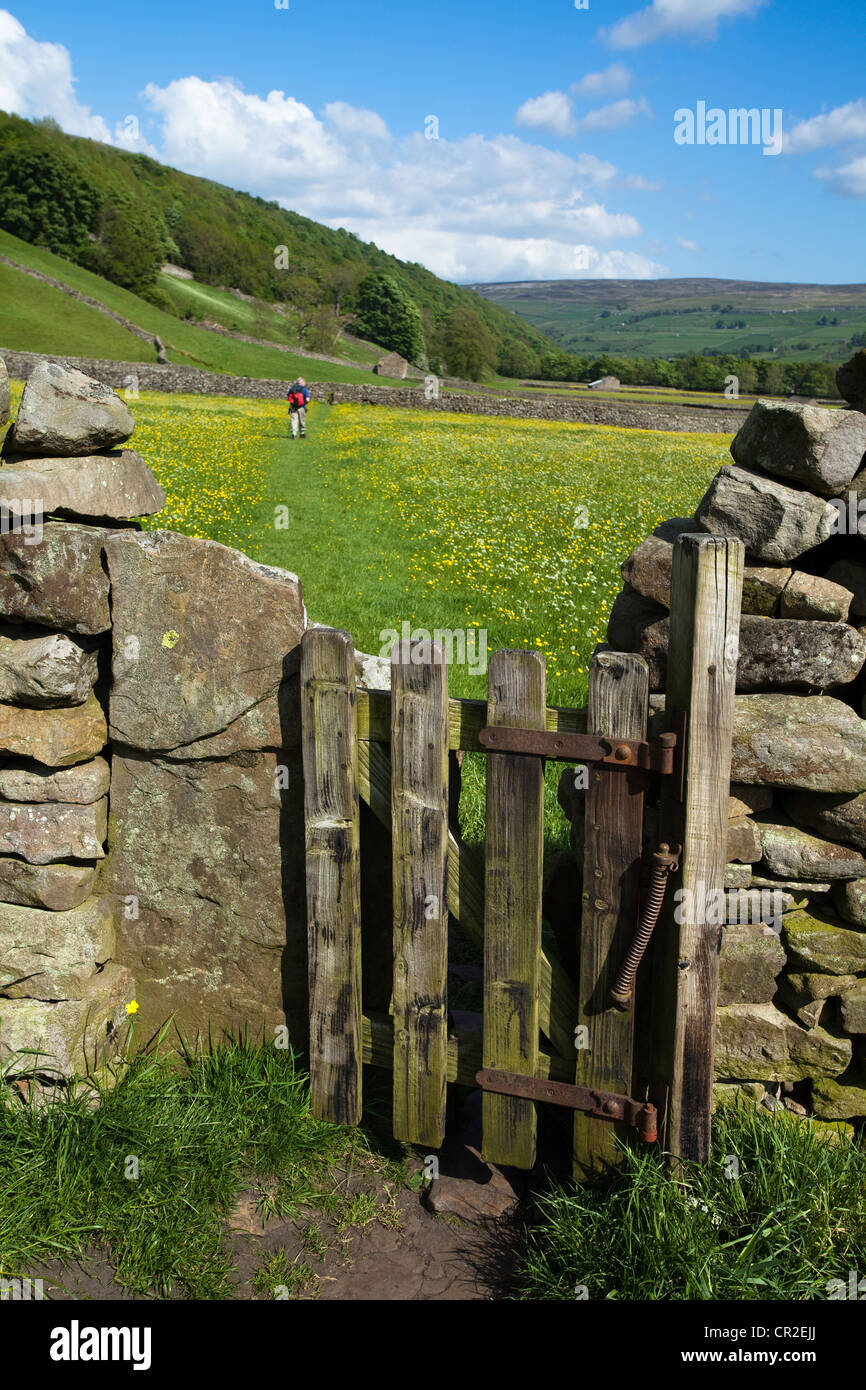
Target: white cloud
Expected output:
[641,184]
[36,80]
[489,258]
[830,128]
[665,19]
[614,116]
[849,180]
[551,111]
[610,83]
[476,208]
[686,244]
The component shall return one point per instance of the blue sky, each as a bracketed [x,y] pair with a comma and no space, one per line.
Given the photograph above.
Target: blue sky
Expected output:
[555,155]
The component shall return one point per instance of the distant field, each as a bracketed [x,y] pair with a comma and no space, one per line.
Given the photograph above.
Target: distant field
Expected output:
[36,318]
[673,319]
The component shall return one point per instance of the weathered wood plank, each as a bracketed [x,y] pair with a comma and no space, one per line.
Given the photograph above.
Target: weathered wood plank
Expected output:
[557,1001]
[464,1051]
[706,595]
[466,718]
[419,836]
[618,702]
[514,847]
[333,873]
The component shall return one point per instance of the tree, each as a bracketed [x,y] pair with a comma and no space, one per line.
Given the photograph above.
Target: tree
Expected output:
[128,249]
[467,346]
[515,359]
[44,201]
[386,315]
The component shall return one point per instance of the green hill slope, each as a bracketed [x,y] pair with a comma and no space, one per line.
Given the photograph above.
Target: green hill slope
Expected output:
[673,318]
[37,318]
[122,214]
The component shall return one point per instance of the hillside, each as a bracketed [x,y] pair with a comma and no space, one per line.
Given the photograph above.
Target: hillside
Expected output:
[36,317]
[673,318]
[121,215]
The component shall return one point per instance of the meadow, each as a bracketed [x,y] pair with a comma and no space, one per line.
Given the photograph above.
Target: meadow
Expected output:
[514,527]
[508,531]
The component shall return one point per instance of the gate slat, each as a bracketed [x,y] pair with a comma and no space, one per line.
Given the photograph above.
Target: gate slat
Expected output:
[331,818]
[618,700]
[419,831]
[512,905]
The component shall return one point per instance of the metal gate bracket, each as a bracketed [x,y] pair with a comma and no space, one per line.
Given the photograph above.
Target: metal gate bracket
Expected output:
[601,1104]
[655,756]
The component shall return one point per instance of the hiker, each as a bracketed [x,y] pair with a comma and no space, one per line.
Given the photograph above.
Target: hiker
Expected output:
[298,397]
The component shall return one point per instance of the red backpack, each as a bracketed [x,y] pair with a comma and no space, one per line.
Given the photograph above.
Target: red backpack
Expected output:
[296,399]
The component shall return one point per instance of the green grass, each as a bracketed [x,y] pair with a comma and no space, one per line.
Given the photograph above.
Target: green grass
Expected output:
[71,331]
[793,1220]
[36,318]
[233,1118]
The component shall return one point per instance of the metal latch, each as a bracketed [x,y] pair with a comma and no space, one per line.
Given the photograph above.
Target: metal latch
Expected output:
[603,1105]
[656,756]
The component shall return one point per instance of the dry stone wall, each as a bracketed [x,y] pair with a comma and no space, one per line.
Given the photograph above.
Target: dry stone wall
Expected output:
[151,819]
[151,376]
[793,961]
[151,802]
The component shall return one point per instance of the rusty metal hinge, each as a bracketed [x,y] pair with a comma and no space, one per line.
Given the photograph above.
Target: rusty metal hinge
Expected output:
[603,1105]
[655,756]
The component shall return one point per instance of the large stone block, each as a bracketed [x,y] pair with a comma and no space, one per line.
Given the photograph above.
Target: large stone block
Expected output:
[54,955]
[763,587]
[851,575]
[57,887]
[837,817]
[210,855]
[70,1036]
[47,669]
[851,380]
[62,411]
[648,570]
[751,958]
[60,582]
[55,737]
[81,784]
[780,652]
[791,853]
[48,832]
[814,599]
[853,1009]
[820,448]
[837,1100]
[808,996]
[4,393]
[776,522]
[808,741]
[744,841]
[849,899]
[202,641]
[760,1042]
[818,943]
[117,486]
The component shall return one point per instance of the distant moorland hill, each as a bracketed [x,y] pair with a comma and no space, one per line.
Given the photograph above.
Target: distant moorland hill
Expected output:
[674,318]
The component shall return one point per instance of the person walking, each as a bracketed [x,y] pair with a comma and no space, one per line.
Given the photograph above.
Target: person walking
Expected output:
[298,398]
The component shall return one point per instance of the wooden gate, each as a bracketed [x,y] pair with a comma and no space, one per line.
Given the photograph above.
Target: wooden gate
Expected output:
[542,1036]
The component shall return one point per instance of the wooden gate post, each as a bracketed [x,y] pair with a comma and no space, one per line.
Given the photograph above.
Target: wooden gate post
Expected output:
[618,698]
[333,873]
[706,595]
[419,832]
